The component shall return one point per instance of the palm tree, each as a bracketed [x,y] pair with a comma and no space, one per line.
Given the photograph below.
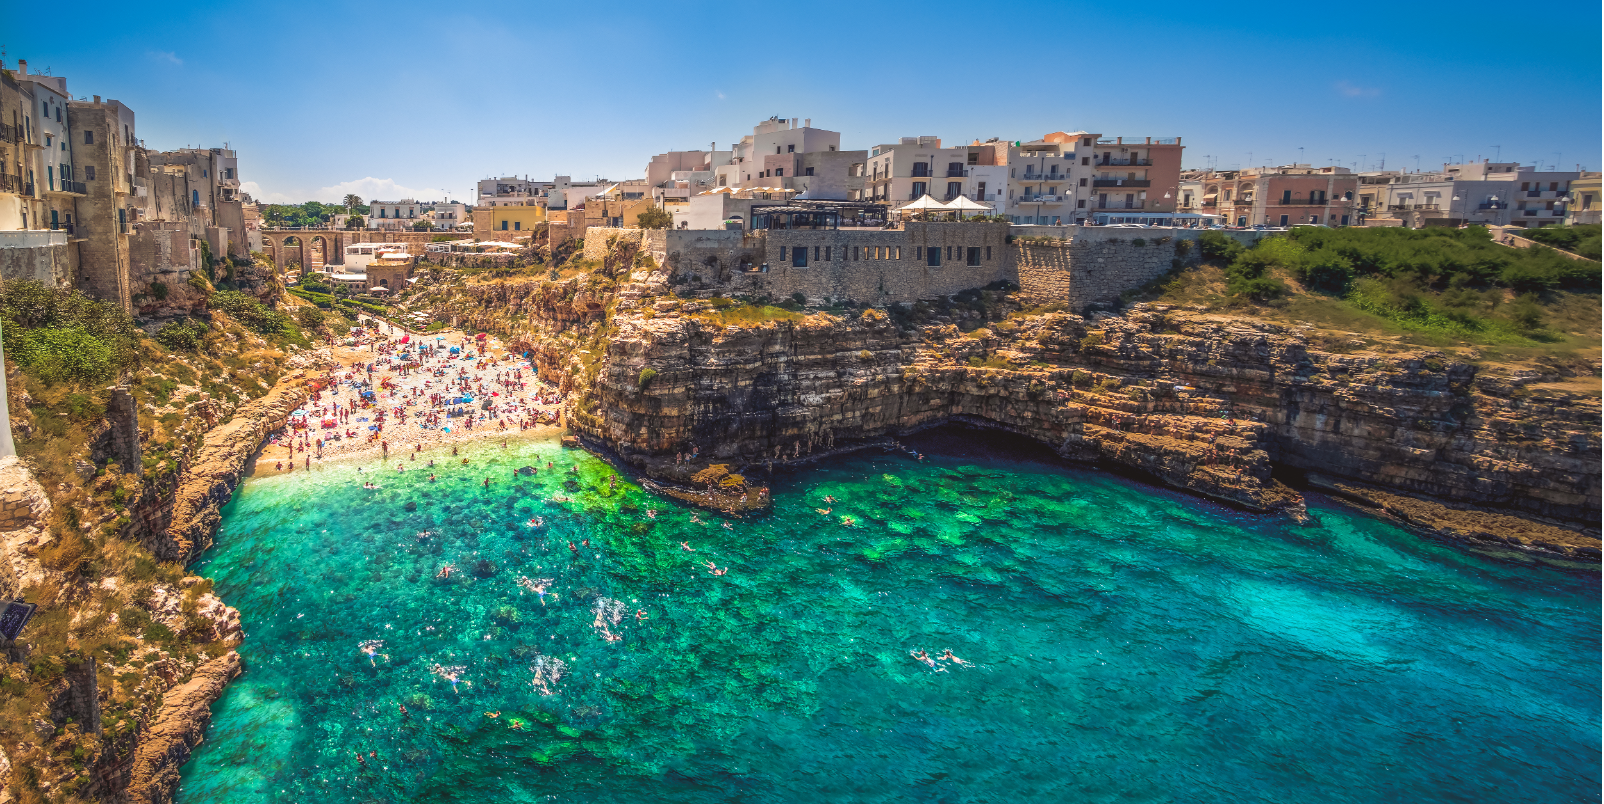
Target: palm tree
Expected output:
[352,201]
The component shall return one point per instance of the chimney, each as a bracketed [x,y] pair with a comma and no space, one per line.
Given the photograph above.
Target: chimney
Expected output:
[22,66]
[807,122]
[97,99]
[793,124]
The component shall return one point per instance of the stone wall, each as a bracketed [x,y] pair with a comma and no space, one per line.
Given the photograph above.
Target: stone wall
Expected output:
[46,261]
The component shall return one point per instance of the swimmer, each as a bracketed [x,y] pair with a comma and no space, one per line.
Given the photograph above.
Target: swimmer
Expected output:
[431,477]
[829,499]
[535,522]
[651,513]
[686,546]
[824,511]
[496,713]
[925,659]
[640,614]
[727,526]
[721,571]
[464,461]
[573,549]
[445,571]
[947,656]
[404,712]
[848,521]
[696,519]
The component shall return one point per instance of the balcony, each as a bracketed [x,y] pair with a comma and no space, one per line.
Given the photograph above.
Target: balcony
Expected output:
[1410,207]
[9,133]
[67,187]
[1122,183]
[10,183]
[63,227]
[1045,177]
[1304,202]
[1124,162]
[1040,199]
[956,174]
[1133,204]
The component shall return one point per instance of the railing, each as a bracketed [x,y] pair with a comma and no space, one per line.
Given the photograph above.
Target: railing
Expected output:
[10,183]
[1045,177]
[1534,193]
[9,133]
[956,174]
[1407,207]
[1040,199]
[27,189]
[1122,182]
[1133,204]
[920,174]
[1493,205]
[1304,202]
[73,187]
[1135,162]
[62,227]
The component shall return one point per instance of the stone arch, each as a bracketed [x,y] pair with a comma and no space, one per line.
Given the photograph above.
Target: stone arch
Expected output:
[294,252]
[317,253]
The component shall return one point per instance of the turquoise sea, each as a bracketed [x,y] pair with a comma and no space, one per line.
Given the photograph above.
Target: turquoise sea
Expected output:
[1126,643]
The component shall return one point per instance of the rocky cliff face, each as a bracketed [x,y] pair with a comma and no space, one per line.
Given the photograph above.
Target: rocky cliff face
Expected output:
[1222,406]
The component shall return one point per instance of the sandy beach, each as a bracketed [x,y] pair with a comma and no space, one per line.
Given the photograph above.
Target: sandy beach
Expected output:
[414,395]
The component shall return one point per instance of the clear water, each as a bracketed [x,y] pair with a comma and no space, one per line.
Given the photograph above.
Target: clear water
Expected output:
[1128,644]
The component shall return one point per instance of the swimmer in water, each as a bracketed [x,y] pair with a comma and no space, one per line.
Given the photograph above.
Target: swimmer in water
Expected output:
[696,519]
[651,513]
[824,511]
[404,712]
[535,522]
[925,659]
[829,499]
[640,614]
[686,546]
[947,656]
[727,526]
[573,549]
[848,521]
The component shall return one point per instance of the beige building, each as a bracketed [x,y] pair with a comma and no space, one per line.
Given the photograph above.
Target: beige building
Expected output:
[1584,202]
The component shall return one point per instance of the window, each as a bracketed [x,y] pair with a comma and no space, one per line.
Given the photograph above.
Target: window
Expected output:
[1086,141]
[816,250]
[974,255]
[790,149]
[1552,186]
[1086,160]
[1283,220]
[799,257]
[203,174]
[381,212]
[950,252]
[783,251]
[89,172]
[776,149]
[807,171]
[1083,182]
[988,253]
[933,257]
[779,171]
[899,253]
[1080,204]
[826,253]
[1525,185]
[89,137]
[918,252]
[503,224]
[194,198]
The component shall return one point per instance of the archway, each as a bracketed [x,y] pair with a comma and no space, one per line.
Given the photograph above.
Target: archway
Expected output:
[294,253]
[318,254]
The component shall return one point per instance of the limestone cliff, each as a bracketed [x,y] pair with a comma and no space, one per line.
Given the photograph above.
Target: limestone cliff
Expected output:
[1223,406]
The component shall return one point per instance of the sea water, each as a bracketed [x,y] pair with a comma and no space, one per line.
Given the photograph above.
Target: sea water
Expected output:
[1120,642]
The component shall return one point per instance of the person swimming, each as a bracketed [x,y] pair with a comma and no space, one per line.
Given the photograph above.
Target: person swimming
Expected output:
[686,546]
[923,657]
[727,526]
[829,499]
[651,513]
[947,656]
[824,511]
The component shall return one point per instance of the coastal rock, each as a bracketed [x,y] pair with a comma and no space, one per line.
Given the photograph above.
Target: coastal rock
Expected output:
[179,726]
[209,482]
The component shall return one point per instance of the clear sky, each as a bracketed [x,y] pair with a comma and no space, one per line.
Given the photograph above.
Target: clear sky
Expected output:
[387,99]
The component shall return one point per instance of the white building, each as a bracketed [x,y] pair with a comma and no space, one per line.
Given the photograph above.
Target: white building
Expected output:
[55,178]
[359,256]
[1490,193]
[449,215]
[394,214]
[897,173]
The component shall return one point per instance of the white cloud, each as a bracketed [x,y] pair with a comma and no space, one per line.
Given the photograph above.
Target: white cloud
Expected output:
[719,94]
[263,196]
[166,55]
[1353,91]
[369,189]
[381,189]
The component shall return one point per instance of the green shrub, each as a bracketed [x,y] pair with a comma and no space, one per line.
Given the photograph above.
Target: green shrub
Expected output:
[158,290]
[646,376]
[183,335]
[1217,247]
[1139,242]
[63,335]
[310,317]
[250,312]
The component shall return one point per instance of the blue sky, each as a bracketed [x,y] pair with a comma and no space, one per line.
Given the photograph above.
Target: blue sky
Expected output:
[427,98]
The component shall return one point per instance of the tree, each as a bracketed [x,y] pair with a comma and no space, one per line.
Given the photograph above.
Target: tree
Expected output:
[422,226]
[352,201]
[354,222]
[654,218]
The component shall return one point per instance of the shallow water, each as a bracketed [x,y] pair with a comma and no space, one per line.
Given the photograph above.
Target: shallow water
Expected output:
[1128,644]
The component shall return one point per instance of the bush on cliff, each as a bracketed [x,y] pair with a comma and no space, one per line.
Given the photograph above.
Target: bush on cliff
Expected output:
[646,376]
[1584,239]
[250,312]
[62,335]
[183,335]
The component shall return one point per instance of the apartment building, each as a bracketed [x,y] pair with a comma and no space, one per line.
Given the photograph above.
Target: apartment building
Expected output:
[1480,193]
[394,215]
[913,167]
[448,215]
[1138,179]
[1283,196]
[105,143]
[57,186]
[198,187]
[781,153]
[1050,180]
[1584,203]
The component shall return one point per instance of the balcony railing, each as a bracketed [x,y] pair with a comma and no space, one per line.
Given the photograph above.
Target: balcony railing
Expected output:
[1045,177]
[63,227]
[10,183]
[1408,207]
[1133,204]
[1040,199]
[73,187]
[956,174]
[1122,182]
[27,189]
[10,133]
[1304,202]
[1122,162]
[1493,205]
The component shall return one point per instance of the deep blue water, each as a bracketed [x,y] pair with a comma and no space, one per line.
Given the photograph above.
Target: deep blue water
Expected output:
[1128,644]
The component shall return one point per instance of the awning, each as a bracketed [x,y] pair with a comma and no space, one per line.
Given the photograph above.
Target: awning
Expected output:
[925,202]
[963,204]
